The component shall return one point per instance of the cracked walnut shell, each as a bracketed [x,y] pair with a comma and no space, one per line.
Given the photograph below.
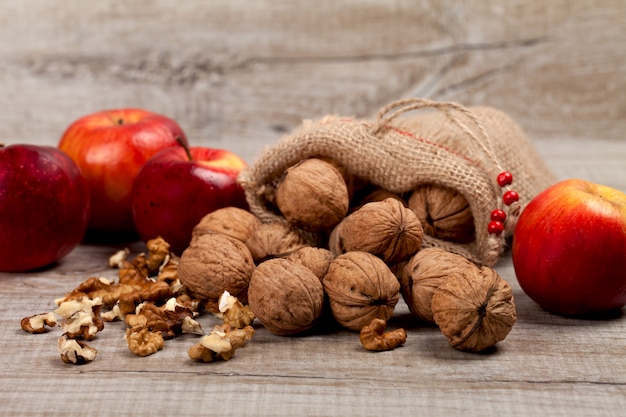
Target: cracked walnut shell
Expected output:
[384,228]
[474,308]
[312,195]
[360,288]
[285,296]
[421,275]
[444,213]
[215,263]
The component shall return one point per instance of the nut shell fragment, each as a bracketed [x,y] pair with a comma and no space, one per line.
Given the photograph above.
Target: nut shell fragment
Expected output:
[474,308]
[360,288]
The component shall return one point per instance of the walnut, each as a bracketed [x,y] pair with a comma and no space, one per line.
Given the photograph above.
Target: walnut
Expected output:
[360,287]
[384,228]
[423,273]
[75,351]
[81,318]
[171,319]
[233,312]
[215,263]
[286,296]
[373,336]
[149,291]
[143,341]
[474,308]
[158,254]
[316,259]
[444,213]
[312,195]
[38,322]
[221,343]
[275,239]
[374,194]
[230,221]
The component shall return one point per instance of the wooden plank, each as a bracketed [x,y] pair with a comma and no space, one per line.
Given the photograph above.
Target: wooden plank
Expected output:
[237,75]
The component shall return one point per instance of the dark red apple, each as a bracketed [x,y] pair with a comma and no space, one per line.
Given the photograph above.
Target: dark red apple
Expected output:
[44,206]
[569,248]
[176,188]
[110,147]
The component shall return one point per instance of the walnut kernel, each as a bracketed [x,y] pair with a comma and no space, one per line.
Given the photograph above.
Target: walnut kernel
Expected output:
[374,338]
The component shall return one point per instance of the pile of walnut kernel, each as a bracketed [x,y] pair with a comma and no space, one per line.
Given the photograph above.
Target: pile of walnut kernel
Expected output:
[339,245]
[150,299]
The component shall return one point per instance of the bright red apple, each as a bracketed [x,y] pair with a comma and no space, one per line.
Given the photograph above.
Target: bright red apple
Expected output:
[110,147]
[44,206]
[176,188]
[569,248]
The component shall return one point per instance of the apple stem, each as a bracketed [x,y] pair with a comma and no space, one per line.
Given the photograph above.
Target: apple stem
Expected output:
[120,121]
[185,147]
[1,144]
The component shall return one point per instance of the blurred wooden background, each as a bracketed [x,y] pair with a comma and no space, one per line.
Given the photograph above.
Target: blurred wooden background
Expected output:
[239,73]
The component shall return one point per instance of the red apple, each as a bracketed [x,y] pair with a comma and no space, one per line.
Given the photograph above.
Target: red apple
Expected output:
[44,206]
[110,147]
[569,248]
[176,188]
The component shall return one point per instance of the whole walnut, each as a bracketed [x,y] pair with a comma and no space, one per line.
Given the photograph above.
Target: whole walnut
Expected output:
[230,221]
[421,275]
[474,308]
[215,263]
[285,296]
[360,288]
[444,213]
[385,228]
[312,195]
[275,239]
[372,194]
[316,259]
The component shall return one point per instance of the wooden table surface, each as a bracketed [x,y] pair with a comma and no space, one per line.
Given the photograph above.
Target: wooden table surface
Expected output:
[238,74]
[548,365]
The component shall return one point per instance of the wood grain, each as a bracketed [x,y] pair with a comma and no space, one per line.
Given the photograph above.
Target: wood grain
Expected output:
[238,74]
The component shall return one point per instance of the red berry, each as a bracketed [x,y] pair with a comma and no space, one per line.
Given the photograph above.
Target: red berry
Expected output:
[498,215]
[495,227]
[505,178]
[510,197]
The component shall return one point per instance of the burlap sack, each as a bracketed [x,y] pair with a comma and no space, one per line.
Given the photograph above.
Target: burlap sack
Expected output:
[453,146]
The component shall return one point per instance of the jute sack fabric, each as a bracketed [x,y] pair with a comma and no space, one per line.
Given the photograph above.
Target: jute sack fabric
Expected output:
[405,146]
